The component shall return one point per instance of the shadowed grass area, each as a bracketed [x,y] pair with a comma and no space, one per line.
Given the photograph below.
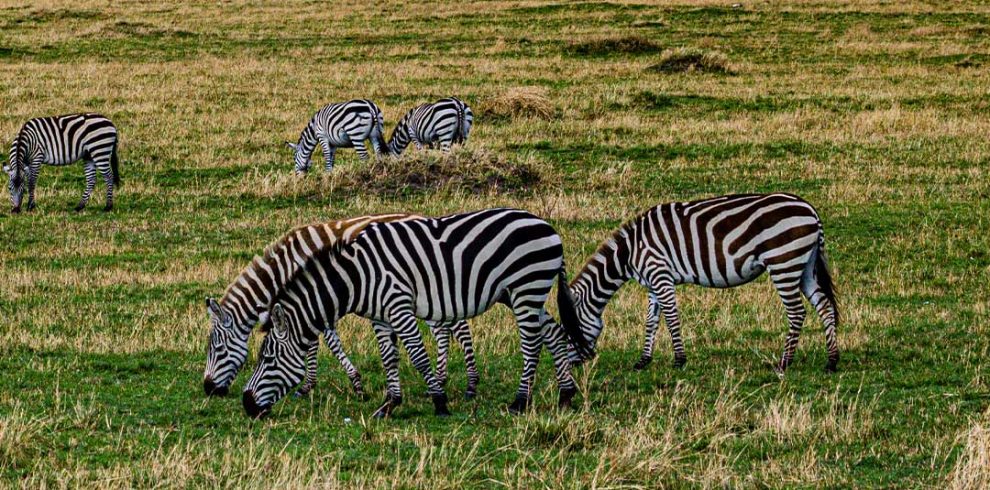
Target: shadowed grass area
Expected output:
[873,111]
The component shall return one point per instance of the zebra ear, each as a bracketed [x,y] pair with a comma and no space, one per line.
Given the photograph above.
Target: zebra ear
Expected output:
[292,146]
[6,168]
[263,315]
[279,320]
[214,308]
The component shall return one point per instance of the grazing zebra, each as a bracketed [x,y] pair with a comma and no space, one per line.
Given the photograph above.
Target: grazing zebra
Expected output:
[342,125]
[720,242]
[445,269]
[61,140]
[233,317]
[446,121]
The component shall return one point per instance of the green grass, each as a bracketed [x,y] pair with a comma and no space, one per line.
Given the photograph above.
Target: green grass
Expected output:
[876,113]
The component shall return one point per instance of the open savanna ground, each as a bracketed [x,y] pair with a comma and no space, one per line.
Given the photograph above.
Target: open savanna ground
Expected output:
[876,112]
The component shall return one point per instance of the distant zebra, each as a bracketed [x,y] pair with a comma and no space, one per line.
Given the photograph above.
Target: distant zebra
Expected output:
[445,269]
[720,242]
[235,315]
[61,140]
[446,121]
[342,125]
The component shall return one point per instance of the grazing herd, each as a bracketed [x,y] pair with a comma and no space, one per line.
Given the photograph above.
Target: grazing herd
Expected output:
[397,269]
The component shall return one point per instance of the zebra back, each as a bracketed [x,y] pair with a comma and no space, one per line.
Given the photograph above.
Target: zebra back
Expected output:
[269,272]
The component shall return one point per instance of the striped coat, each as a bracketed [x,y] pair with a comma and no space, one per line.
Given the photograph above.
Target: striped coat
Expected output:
[234,316]
[62,140]
[342,125]
[444,122]
[445,270]
[720,242]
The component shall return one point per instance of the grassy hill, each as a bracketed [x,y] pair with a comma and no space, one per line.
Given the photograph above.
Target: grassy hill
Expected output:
[876,112]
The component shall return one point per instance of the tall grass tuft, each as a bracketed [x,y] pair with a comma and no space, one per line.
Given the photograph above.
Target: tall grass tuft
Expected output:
[519,102]
[686,60]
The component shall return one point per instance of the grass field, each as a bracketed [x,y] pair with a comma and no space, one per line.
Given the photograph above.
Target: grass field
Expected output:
[876,112]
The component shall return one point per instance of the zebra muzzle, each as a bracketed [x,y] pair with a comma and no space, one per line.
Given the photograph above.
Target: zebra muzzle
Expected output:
[252,408]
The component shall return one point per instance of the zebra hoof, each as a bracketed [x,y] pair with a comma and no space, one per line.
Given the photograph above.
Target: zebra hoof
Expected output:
[79,207]
[642,363]
[832,366]
[470,394]
[15,210]
[31,206]
[107,209]
[301,393]
[566,396]
[519,405]
[679,362]
[440,405]
[387,407]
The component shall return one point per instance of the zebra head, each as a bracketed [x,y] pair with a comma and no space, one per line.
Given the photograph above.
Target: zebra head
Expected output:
[281,365]
[300,156]
[226,351]
[589,320]
[15,182]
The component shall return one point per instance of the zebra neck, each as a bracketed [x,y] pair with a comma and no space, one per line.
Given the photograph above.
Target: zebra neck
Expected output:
[399,140]
[307,142]
[604,274]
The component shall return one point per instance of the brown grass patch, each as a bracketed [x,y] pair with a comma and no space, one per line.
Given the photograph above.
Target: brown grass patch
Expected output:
[687,60]
[613,45]
[519,102]
[973,466]
[471,170]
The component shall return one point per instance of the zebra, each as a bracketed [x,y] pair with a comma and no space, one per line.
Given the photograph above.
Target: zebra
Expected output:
[62,140]
[341,125]
[720,242]
[443,269]
[446,121]
[233,317]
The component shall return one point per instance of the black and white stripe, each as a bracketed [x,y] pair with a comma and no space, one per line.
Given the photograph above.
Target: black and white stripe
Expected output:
[721,242]
[445,270]
[62,140]
[235,315]
[444,122]
[342,125]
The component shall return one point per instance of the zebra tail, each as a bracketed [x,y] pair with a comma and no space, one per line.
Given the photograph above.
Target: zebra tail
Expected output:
[380,134]
[824,276]
[460,124]
[569,318]
[115,166]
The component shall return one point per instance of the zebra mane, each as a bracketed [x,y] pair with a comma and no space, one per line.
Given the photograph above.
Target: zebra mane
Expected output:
[269,257]
[18,150]
[612,242]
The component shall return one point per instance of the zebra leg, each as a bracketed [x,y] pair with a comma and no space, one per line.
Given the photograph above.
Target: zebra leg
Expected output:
[390,361]
[89,170]
[328,153]
[441,331]
[826,313]
[310,379]
[445,145]
[415,139]
[361,149]
[463,335]
[104,168]
[553,337]
[404,324]
[668,305]
[787,282]
[652,324]
[528,317]
[333,343]
[32,181]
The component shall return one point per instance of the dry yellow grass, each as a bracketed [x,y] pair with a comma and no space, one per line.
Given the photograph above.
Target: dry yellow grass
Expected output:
[880,132]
